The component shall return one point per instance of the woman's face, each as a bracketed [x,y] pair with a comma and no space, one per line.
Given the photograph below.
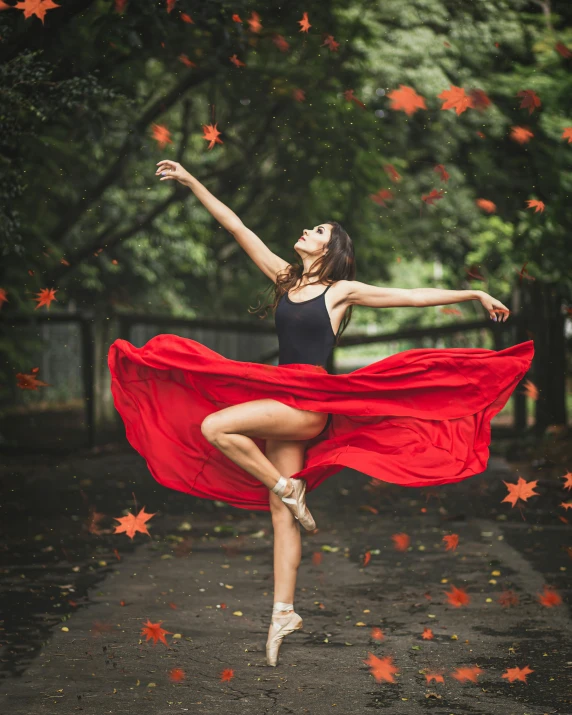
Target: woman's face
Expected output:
[313,241]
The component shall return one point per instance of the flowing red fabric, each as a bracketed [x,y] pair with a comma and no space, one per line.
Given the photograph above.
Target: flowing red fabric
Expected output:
[418,418]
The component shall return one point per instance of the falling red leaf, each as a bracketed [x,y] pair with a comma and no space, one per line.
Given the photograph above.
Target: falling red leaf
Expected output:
[120,5]
[401,541]
[530,100]
[254,22]
[521,490]
[427,634]
[467,673]
[349,95]
[549,597]
[451,541]
[186,61]
[227,674]
[317,558]
[304,23]
[211,134]
[443,174]
[392,172]
[161,135]
[154,631]
[538,206]
[479,100]
[561,48]
[377,634]
[176,675]
[331,43]
[567,134]
[92,521]
[366,558]
[521,135]
[187,18]
[370,508]
[281,43]
[568,483]
[29,382]
[486,205]
[381,668]
[457,597]
[299,95]
[450,311]
[508,598]
[455,98]
[3,298]
[170,5]
[432,196]
[517,673]
[236,62]
[381,197]
[530,390]
[406,99]
[36,7]
[130,524]
[45,297]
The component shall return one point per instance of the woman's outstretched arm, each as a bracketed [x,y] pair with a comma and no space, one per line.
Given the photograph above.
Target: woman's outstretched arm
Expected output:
[268,262]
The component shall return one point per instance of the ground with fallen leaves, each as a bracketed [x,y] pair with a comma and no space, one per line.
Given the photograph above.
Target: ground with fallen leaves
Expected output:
[413,600]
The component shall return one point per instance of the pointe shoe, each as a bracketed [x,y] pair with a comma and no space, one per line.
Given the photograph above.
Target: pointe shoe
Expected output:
[296,503]
[280,627]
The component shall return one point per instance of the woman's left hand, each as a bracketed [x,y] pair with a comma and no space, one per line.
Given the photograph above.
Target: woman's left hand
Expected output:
[494,306]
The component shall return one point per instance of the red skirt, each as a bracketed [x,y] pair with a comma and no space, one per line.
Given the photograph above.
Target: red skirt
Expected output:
[418,418]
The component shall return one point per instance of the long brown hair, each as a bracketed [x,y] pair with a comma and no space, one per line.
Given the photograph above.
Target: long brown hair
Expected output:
[337,264]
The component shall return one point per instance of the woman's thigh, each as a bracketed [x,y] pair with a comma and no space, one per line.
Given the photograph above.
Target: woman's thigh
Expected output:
[265,419]
[288,458]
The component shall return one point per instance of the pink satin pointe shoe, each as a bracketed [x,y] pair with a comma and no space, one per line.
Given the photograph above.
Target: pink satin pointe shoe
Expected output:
[282,624]
[296,500]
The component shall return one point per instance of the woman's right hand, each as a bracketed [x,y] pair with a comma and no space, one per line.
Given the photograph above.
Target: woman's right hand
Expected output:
[170,170]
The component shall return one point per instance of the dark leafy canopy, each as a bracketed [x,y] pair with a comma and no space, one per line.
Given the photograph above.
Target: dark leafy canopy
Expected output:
[82,91]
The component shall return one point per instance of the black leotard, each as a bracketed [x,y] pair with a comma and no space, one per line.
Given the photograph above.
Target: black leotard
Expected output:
[305,333]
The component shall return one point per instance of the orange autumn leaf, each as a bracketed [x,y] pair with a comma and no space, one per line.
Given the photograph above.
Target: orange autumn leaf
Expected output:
[457,597]
[443,173]
[370,508]
[186,61]
[567,134]
[486,205]
[92,521]
[187,18]
[3,298]
[455,98]
[36,7]
[427,634]
[317,557]
[508,598]
[530,390]
[45,297]
[568,483]
[236,18]
[154,631]
[30,382]
[381,668]
[517,673]
[366,558]
[538,206]
[170,5]
[561,48]
[173,606]
[376,634]
[479,100]
[130,524]
[281,43]
[450,311]
[331,43]
[451,541]
[530,100]
[549,597]
[467,673]
[349,95]
[161,135]
[299,95]
[236,62]
[406,99]
[304,23]
[437,677]
[227,674]
[381,197]
[520,134]
[120,5]
[211,134]
[432,196]
[521,490]
[254,22]
[176,675]
[401,541]
[392,172]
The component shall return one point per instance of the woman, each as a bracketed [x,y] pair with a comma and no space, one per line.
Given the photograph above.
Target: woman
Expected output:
[259,436]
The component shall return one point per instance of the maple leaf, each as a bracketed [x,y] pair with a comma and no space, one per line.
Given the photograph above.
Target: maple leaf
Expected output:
[304,23]
[567,134]
[427,634]
[452,541]
[29,382]
[331,43]
[349,95]
[45,297]
[3,6]
[521,490]
[481,135]
[381,197]
[530,390]
[187,18]
[401,541]
[92,522]
[120,5]
[508,598]
[563,50]
[381,668]
[392,172]
[568,483]
[171,5]
[437,677]
[281,43]
[376,634]
[530,100]
[455,98]
[254,22]
[317,558]
[479,100]
[367,558]
[3,298]
[299,95]
[549,597]
[161,135]
[521,135]
[406,99]
[130,524]
[176,675]
[432,196]
[538,206]
[227,674]
[211,133]
[236,62]
[517,673]
[36,7]
[486,205]
[443,174]
[457,597]
[154,631]
[467,673]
